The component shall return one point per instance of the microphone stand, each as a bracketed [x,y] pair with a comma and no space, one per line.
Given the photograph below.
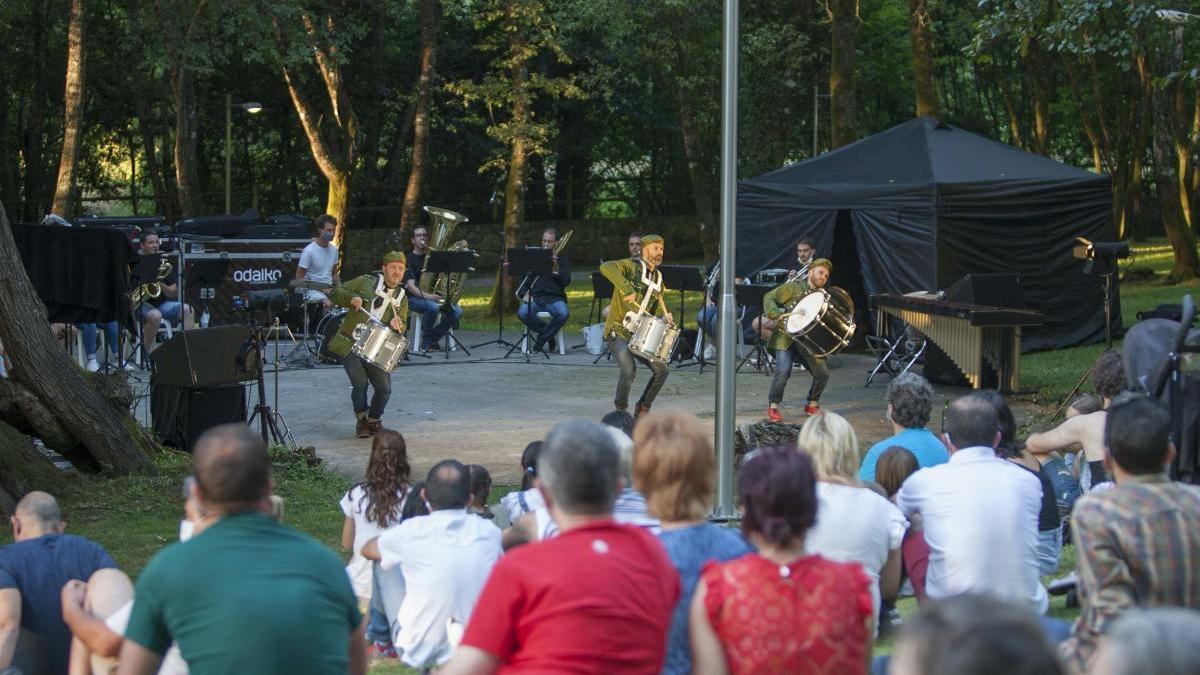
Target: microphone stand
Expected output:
[502,273]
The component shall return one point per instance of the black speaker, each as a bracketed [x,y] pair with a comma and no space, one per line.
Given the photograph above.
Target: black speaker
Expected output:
[992,290]
[202,357]
[181,414]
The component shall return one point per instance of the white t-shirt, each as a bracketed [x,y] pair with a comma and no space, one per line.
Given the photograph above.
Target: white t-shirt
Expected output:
[445,558]
[117,622]
[518,503]
[318,262]
[855,524]
[354,506]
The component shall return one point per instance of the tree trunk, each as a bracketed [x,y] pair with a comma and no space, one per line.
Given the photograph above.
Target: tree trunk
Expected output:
[154,170]
[410,213]
[23,469]
[187,128]
[503,298]
[112,437]
[844,16]
[64,191]
[337,203]
[1166,178]
[920,35]
[34,140]
[702,187]
[1040,73]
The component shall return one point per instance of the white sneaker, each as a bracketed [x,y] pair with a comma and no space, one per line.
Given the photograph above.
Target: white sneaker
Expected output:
[710,350]
[92,366]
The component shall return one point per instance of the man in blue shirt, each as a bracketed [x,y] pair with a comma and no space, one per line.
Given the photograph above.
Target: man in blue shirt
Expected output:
[33,570]
[910,400]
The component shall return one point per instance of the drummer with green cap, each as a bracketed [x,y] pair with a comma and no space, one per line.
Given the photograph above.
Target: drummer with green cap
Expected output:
[379,296]
[633,279]
[776,303]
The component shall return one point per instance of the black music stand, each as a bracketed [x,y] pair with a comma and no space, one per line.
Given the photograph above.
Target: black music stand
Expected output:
[751,295]
[529,264]
[683,278]
[450,262]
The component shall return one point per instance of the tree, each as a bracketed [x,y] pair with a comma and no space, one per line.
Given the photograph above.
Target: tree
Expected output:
[921,36]
[64,192]
[843,15]
[431,11]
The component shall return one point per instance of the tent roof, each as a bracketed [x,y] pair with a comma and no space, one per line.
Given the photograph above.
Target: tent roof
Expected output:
[922,152]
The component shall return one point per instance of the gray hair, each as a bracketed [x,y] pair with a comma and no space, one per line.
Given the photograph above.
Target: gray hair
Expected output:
[911,398]
[624,453]
[579,467]
[41,508]
[1159,640]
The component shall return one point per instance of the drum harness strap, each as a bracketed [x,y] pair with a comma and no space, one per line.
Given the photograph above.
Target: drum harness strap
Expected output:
[653,283]
[383,297]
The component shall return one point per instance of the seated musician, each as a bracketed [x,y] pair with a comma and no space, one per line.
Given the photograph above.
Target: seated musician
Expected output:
[805,251]
[775,304]
[167,305]
[427,303]
[319,259]
[632,280]
[635,253]
[547,294]
[707,316]
[379,296]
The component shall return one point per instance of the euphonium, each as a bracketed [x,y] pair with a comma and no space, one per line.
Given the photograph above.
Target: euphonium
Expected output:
[449,286]
[560,245]
[153,289]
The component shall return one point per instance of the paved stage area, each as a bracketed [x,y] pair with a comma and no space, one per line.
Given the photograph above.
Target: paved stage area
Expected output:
[484,409]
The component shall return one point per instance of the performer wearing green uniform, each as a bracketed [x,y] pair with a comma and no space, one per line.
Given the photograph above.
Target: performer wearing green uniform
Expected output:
[777,303]
[632,280]
[378,295]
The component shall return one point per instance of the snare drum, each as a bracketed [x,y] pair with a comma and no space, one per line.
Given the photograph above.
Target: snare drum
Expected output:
[772,277]
[821,323]
[378,345]
[653,339]
[328,327]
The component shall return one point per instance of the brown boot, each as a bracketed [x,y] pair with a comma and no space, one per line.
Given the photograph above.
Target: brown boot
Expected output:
[642,409]
[373,426]
[362,428]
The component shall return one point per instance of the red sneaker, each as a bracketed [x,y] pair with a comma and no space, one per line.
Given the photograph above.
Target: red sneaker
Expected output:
[812,408]
[377,651]
[774,415]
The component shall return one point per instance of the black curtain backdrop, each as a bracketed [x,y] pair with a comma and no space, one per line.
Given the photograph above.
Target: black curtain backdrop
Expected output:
[929,203]
[81,274]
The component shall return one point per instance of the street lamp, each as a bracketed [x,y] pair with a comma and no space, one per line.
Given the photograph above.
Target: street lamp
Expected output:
[251,107]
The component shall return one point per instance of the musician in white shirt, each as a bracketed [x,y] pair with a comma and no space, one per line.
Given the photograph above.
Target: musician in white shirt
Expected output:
[318,260]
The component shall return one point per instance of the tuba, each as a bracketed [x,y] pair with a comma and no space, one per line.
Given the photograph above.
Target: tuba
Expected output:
[449,286]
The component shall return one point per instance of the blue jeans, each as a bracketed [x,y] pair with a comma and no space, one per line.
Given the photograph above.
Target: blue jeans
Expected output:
[1066,486]
[707,319]
[625,362]
[171,310]
[360,373]
[1049,548]
[433,329]
[111,331]
[544,330]
[783,371]
[387,592]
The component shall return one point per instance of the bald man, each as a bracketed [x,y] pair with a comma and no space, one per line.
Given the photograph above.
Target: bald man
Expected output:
[33,570]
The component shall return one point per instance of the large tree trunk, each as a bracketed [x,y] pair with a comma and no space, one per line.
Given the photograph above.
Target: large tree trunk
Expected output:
[41,366]
[702,187]
[844,15]
[22,469]
[1166,178]
[1041,73]
[920,35]
[154,169]
[431,11]
[35,203]
[503,293]
[64,191]
[187,129]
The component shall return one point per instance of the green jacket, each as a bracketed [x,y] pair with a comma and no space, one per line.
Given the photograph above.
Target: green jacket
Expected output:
[626,277]
[777,303]
[360,287]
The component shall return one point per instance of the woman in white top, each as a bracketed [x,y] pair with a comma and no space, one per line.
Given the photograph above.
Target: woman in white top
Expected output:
[854,523]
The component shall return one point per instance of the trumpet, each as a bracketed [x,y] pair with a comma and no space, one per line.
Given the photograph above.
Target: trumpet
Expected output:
[153,289]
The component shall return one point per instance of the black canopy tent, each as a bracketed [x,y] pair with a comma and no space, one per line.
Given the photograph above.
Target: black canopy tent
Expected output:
[920,205]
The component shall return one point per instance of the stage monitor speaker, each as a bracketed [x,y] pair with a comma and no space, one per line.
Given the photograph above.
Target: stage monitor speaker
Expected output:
[181,414]
[202,357]
[992,290]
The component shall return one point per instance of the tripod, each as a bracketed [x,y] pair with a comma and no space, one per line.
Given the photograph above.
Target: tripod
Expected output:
[751,295]
[269,421]
[500,326]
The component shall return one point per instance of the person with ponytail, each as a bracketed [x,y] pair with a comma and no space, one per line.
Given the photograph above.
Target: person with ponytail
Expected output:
[780,610]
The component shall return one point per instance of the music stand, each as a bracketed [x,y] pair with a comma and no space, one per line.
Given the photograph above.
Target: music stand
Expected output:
[683,278]
[450,262]
[751,295]
[529,264]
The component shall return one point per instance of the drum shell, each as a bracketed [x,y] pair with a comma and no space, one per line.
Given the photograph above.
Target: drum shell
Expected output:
[831,329]
[379,345]
[654,339]
[328,327]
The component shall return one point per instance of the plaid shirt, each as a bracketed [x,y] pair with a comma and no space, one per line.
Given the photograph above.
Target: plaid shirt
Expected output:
[1139,546]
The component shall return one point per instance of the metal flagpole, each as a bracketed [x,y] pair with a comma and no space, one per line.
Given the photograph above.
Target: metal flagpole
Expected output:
[726,386]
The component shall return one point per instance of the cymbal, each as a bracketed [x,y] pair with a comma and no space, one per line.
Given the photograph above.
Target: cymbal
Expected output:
[310,284]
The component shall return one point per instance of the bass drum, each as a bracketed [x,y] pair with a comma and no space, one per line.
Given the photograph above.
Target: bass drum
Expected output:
[822,322]
[326,329]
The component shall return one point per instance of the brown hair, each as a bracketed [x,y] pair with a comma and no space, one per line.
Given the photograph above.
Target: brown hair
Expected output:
[674,466]
[893,466]
[779,495]
[387,476]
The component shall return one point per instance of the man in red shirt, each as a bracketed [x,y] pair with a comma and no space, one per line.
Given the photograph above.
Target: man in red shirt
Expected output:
[595,599]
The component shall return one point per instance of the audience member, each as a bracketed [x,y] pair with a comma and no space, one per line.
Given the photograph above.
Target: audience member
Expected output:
[895,465]
[595,599]
[973,634]
[370,507]
[1048,522]
[481,491]
[248,594]
[1161,640]
[854,524]
[619,419]
[528,498]
[445,558]
[675,468]
[414,504]
[780,610]
[33,569]
[1137,544]
[979,513]
[910,401]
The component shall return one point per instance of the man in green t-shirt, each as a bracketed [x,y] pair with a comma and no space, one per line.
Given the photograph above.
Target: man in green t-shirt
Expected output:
[632,280]
[778,302]
[245,594]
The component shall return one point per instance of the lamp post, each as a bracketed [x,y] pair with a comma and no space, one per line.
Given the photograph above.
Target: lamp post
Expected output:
[251,107]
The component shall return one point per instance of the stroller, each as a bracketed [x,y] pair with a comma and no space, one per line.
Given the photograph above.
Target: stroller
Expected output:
[1162,360]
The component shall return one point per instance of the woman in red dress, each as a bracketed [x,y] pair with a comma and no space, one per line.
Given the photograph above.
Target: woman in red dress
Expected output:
[780,610]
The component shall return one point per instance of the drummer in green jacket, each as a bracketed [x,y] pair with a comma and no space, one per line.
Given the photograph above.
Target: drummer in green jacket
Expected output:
[632,279]
[379,296]
[777,303]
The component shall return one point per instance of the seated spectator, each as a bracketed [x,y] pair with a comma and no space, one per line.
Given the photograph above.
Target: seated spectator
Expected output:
[1137,544]
[895,465]
[445,558]
[973,634]
[33,570]
[854,524]
[675,468]
[1049,524]
[780,610]
[979,513]
[248,594]
[595,599]
[481,491]
[370,507]
[1161,640]
[414,504]
[619,419]
[528,498]
[910,400]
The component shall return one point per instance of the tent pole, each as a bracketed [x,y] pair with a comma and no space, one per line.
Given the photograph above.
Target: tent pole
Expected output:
[726,386]
[816,117]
